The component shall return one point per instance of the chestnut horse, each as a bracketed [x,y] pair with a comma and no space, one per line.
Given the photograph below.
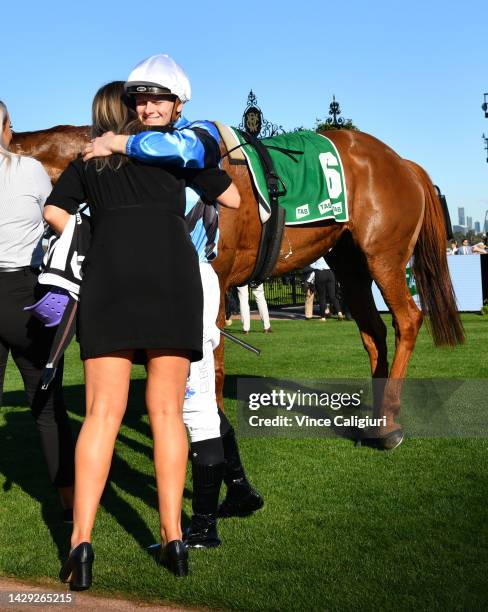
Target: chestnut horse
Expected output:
[394,213]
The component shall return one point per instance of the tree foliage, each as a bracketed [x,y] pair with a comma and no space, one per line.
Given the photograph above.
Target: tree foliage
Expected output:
[321,125]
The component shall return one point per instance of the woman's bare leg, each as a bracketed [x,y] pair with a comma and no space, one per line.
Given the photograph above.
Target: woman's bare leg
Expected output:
[107,381]
[165,393]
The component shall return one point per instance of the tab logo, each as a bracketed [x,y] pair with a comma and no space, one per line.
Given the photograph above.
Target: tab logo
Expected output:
[337,208]
[302,211]
[325,207]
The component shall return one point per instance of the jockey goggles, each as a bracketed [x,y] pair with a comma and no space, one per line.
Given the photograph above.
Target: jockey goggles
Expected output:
[148,88]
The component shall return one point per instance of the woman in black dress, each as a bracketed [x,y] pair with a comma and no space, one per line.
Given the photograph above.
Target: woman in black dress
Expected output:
[141,289]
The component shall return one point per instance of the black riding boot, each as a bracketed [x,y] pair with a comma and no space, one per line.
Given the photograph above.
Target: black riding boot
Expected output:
[207,480]
[241,499]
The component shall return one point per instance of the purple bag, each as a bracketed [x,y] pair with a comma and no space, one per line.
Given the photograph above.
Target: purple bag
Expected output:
[51,307]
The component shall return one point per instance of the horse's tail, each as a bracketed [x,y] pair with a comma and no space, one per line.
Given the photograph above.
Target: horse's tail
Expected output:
[434,286]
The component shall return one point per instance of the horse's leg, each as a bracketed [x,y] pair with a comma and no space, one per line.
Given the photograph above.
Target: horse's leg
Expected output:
[351,269]
[349,265]
[407,320]
[387,235]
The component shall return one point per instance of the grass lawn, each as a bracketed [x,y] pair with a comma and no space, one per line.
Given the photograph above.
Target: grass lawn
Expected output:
[343,528]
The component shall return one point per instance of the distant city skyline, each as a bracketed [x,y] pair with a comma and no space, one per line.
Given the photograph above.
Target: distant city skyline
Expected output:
[469,223]
[461,215]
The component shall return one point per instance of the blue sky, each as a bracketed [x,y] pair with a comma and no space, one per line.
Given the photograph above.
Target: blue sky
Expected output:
[412,74]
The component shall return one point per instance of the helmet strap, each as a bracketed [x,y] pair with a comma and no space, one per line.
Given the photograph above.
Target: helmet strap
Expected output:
[175,115]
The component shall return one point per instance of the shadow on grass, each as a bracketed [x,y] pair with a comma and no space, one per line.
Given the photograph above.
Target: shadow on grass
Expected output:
[23,465]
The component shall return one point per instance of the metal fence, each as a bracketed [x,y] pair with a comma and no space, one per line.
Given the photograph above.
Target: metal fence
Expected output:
[283,291]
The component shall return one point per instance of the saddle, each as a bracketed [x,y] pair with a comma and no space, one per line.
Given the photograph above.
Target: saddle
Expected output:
[273,226]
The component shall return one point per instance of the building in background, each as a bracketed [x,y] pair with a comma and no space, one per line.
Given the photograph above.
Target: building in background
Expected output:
[477,227]
[461,215]
[469,222]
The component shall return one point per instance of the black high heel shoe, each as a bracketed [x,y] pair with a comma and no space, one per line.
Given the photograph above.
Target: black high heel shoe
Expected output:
[174,556]
[78,568]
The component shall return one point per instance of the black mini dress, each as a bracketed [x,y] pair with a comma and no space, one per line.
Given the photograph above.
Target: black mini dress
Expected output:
[141,286]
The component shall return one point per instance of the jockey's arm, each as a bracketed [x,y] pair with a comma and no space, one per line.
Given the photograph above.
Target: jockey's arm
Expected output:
[195,145]
[212,185]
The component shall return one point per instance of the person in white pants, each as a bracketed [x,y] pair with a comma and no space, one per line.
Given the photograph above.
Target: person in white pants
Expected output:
[261,304]
[200,413]
[214,451]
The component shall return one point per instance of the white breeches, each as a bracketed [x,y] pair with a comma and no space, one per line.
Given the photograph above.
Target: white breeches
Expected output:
[260,302]
[200,408]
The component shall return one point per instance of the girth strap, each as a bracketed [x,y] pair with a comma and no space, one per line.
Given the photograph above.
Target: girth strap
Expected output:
[272,231]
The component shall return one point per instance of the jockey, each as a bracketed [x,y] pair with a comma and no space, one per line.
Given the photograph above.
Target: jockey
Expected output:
[157,88]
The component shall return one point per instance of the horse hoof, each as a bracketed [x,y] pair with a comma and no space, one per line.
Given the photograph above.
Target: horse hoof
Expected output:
[391,441]
[385,443]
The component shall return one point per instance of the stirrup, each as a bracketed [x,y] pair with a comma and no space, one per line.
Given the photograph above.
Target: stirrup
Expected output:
[50,309]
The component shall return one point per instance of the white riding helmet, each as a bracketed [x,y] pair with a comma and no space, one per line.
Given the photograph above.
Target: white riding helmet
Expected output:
[159,74]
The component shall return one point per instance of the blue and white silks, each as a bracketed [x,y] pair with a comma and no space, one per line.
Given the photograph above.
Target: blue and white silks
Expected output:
[205,231]
[190,145]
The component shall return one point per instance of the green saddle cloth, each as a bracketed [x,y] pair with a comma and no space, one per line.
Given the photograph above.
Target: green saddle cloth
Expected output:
[314,181]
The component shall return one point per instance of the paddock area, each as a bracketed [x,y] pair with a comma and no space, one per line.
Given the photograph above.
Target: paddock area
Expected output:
[343,528]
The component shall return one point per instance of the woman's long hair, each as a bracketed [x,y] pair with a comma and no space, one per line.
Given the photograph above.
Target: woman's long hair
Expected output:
[110,113]
[5,155]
